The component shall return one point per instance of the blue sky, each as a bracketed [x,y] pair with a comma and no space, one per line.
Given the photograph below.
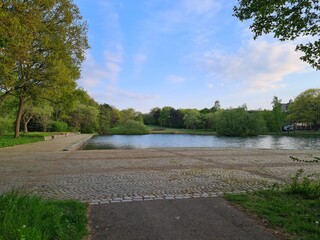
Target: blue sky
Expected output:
[185,54]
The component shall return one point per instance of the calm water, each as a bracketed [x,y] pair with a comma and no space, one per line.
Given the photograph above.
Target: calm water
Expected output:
[196,141]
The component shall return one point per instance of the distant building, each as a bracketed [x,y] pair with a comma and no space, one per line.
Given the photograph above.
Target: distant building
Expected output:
[285,106]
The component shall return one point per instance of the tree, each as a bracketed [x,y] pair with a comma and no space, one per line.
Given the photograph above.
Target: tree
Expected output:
[104,118]
[238,122]
[43,113]
[306,108]
[176,118]
[277,115]
[84,118]
[164,119]
[155,113]
[192,119]
[42,46]
[208,120]
[287,20]
[130,114]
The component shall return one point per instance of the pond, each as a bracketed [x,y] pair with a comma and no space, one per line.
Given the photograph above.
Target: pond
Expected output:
[200,141]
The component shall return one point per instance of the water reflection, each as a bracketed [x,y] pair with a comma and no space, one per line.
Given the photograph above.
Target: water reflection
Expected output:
[197,141]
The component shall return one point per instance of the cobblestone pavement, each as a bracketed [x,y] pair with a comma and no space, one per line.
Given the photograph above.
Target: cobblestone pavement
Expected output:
[109,176]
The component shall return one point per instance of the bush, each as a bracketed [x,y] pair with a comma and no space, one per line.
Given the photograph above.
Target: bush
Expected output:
[304,186]
[132,127]
[57,126]
[239,122]
[6,125]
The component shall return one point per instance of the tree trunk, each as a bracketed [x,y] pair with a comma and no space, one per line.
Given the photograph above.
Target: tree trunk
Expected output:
[25,123]
[18,118]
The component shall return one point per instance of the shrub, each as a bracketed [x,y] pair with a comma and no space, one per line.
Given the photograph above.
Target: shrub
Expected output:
[304,186]
[6,125]
[57,126]
[132,127]
[239,122]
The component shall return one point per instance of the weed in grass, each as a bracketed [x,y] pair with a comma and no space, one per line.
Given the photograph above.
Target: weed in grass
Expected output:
[295,208]
[304,186]
[30,217]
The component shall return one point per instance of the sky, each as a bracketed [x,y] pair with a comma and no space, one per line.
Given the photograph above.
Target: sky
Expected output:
[185,54]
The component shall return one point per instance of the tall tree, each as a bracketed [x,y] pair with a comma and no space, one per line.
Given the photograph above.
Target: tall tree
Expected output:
[239,122]
[42,47]
[165,117]
[306,108]
[287,20]
[192,119]
[277,115]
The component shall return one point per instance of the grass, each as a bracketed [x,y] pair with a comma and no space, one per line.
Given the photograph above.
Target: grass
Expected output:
[165,130]
[294,208]
[28,217]
[8,140]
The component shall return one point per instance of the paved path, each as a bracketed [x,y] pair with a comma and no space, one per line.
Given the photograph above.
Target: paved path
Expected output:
[148,174]
[187,219]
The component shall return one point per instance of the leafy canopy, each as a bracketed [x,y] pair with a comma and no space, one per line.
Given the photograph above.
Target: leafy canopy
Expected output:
[306,107]
[287,20]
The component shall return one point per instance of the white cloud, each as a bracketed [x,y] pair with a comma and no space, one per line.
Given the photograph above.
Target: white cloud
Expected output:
[201,7]
[96,77]
[260,65]
[139,61]
[136,96]
[176,79]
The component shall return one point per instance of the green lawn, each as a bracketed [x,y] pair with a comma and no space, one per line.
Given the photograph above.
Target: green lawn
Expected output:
[28,217]
[8,140]
[294,208]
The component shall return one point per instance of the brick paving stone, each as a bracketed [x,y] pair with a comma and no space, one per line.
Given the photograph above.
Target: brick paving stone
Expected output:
[149,174]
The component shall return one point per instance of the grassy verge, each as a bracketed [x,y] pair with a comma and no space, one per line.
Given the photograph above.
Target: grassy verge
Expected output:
[164,130]
[8,140]
[294,208]
[29,217]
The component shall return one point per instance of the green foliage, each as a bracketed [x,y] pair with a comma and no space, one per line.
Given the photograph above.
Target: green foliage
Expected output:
[208,120]
[287,20]
[313,159]
[164,119]
[84,118]
[277,115]
[238,122]
[104,118]
[43,113]
[294,208]
[6,125]
[304,186]
[9,140]
[306,108]
[57,126]
[30,217]
[45,43]
[192,119]
[131,127]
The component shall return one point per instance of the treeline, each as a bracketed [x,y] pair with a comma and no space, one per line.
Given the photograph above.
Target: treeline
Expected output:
[303,111]
[75,111]
[229,122]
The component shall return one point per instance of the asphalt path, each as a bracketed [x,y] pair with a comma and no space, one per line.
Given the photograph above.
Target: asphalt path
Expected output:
[201,218]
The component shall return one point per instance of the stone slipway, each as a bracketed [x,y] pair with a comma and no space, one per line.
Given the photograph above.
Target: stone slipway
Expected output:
[111,180]
[110,176]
